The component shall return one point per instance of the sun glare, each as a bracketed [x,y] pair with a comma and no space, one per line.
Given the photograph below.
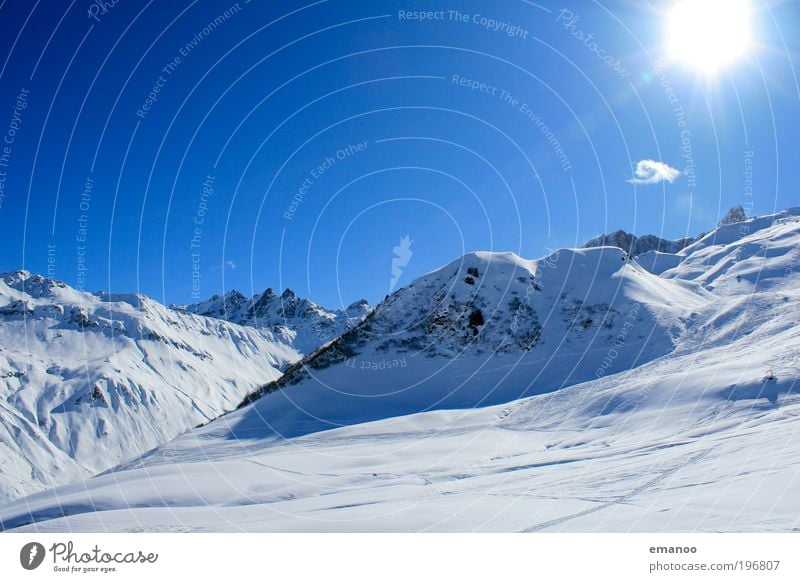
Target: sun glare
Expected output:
[708,35]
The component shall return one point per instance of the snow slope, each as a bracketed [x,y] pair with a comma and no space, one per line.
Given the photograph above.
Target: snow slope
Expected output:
[688,421]
[88,381]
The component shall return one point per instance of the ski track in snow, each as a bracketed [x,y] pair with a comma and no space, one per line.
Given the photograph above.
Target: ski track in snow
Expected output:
[691,460]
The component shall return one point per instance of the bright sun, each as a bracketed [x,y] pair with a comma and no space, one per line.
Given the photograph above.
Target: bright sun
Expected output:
[708,35]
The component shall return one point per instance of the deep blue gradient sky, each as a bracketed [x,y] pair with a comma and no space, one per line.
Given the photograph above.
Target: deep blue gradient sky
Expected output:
[268,106]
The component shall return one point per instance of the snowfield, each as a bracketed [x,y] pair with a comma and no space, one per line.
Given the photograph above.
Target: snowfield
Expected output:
[587,391]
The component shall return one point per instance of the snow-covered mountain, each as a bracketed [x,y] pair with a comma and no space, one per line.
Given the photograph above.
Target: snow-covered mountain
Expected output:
[90,380]
[488,328]
[586,391]
[299,322]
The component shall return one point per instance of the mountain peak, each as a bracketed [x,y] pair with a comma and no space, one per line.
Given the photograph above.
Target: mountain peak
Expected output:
[734,216]
[361,303]
[33,284]
[234,294]
[13,277]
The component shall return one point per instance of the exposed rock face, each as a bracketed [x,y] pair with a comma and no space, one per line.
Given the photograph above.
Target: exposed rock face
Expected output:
[734,216]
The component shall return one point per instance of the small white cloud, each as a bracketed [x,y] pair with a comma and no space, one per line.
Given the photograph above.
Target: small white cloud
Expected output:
[653,172]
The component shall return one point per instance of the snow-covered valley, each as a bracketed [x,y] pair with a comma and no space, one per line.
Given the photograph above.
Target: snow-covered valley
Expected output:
[590,390]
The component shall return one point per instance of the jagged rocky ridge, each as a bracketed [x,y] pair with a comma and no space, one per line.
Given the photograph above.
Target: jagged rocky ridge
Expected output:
[298,322]
[639,245]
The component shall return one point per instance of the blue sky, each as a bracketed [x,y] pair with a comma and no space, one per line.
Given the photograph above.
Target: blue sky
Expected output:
[294,144]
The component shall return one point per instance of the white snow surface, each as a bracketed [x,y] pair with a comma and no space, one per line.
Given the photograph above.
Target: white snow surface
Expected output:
[591,395]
